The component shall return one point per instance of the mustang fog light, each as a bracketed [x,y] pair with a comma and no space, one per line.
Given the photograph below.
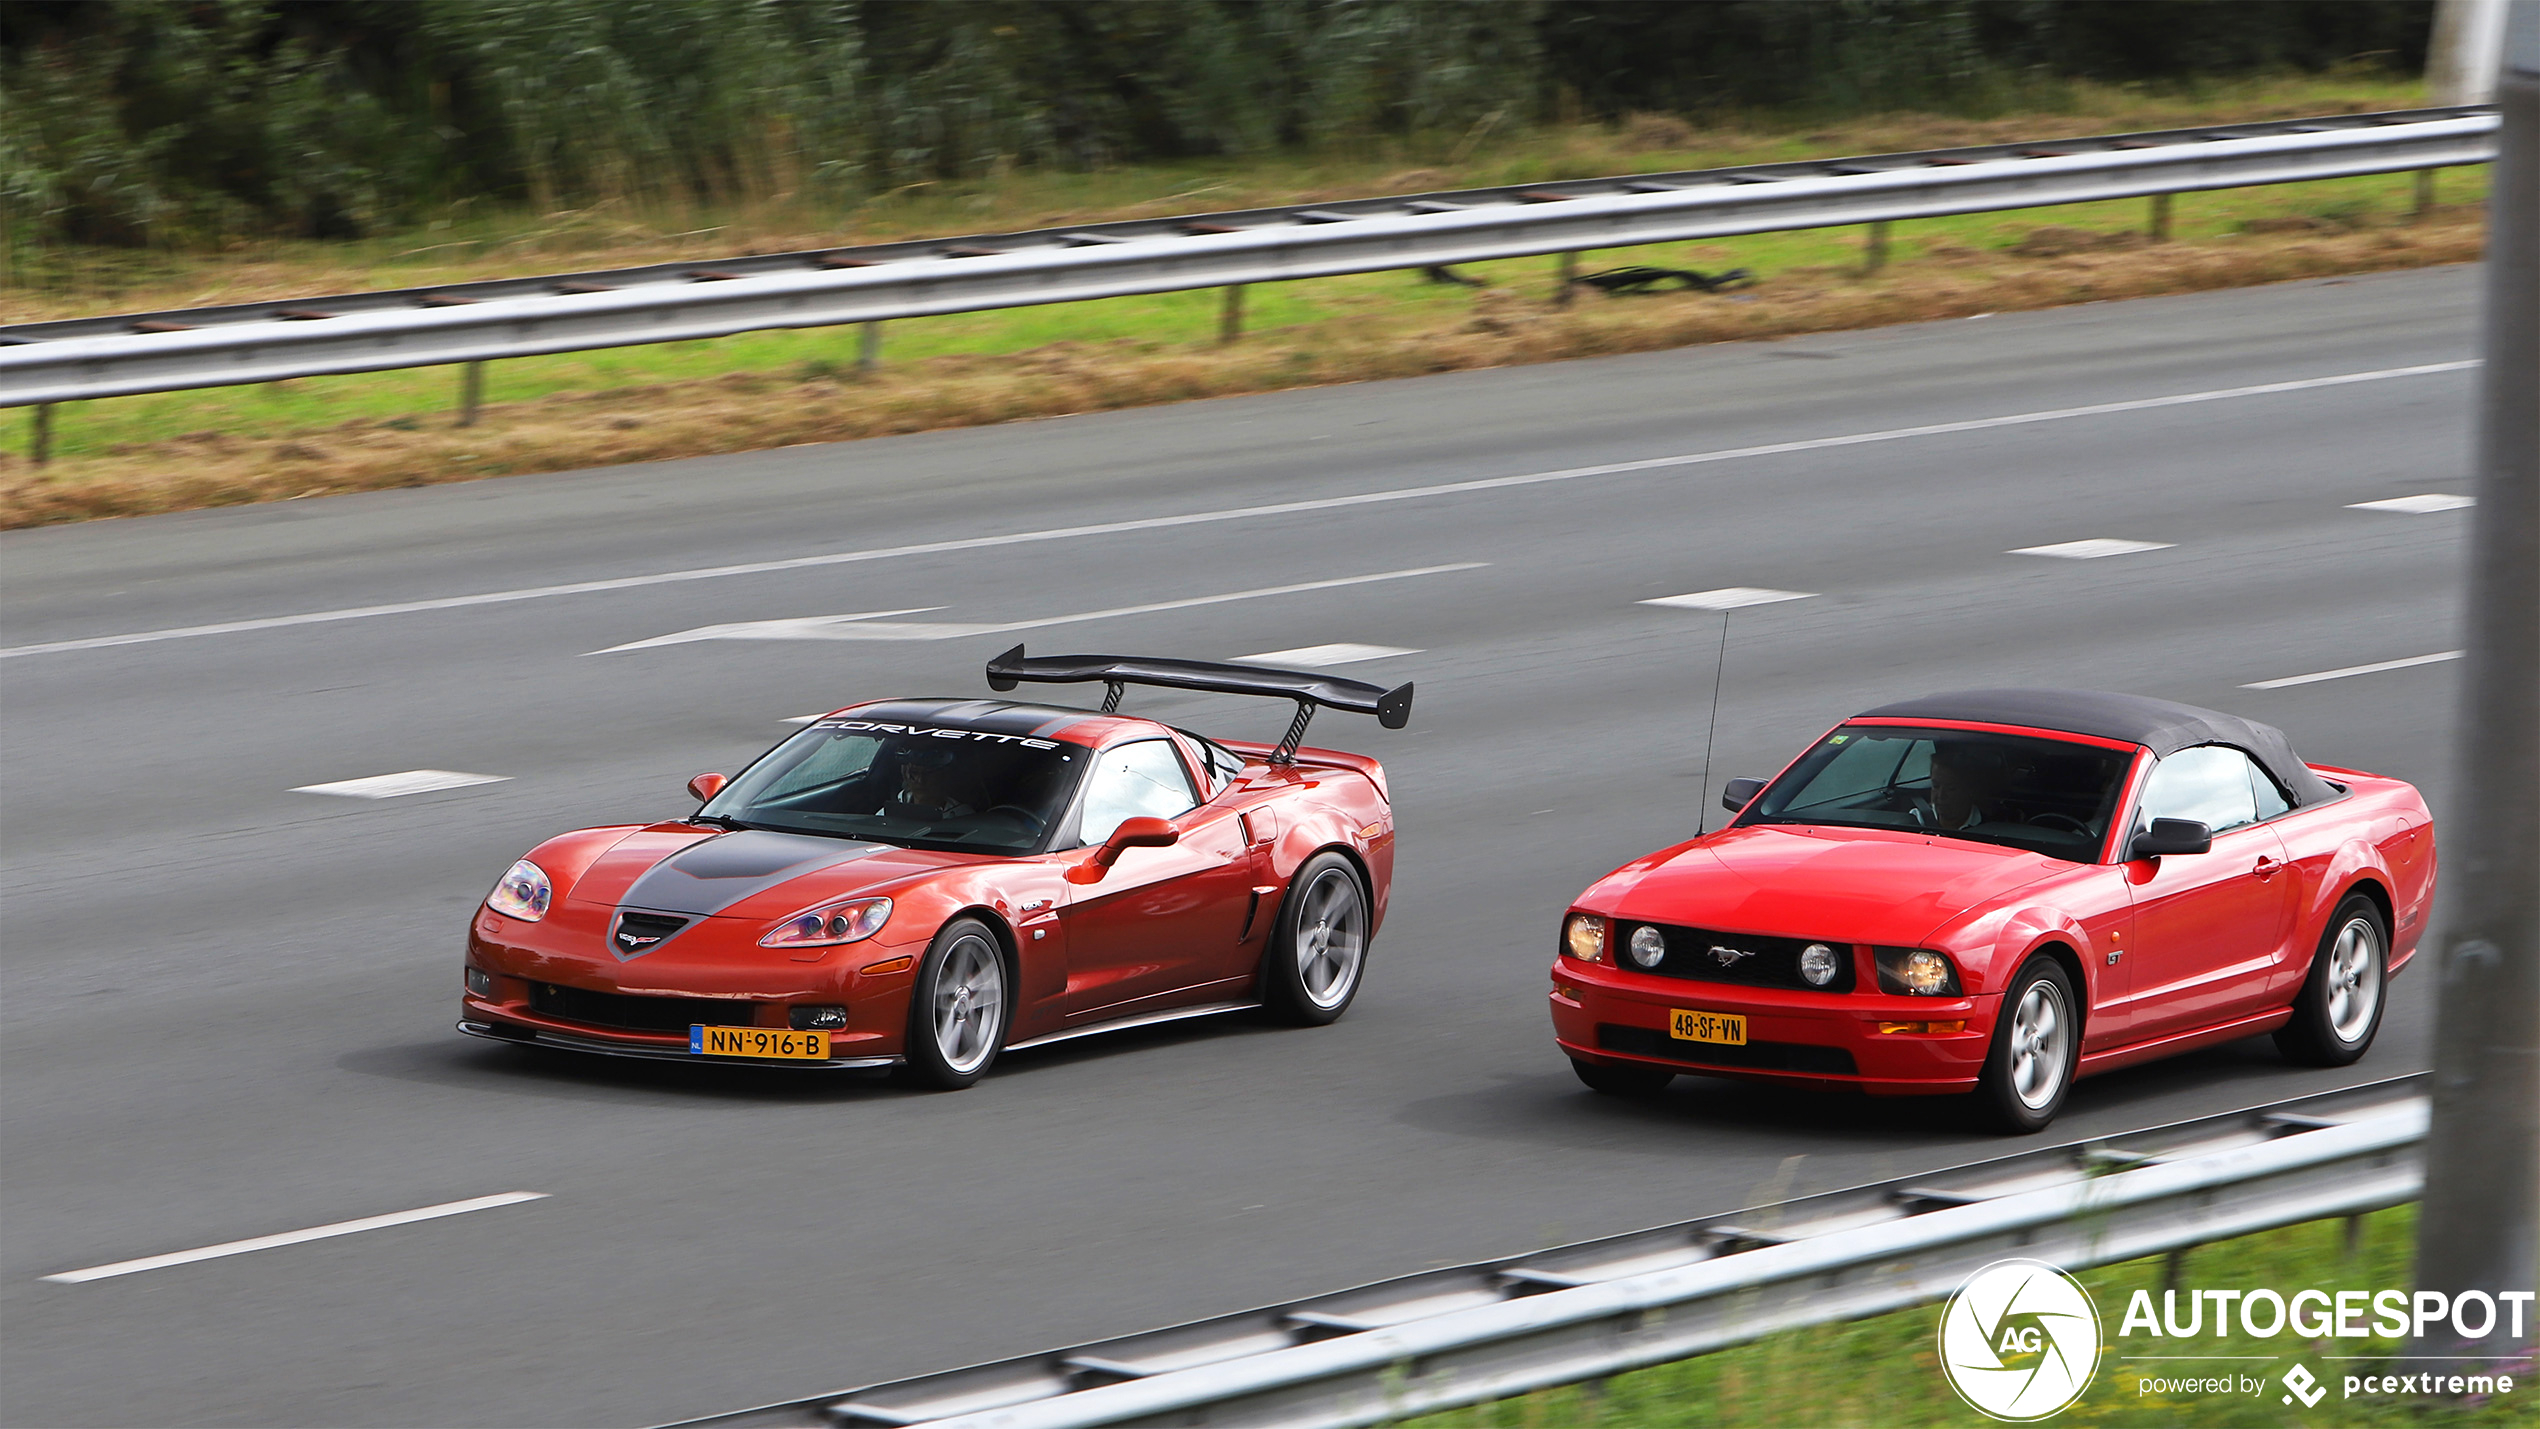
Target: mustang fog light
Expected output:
[1585,937]
[1649,947]
[1917,972]
[812,1019]
[1817,963]
[480,982]
[523,893]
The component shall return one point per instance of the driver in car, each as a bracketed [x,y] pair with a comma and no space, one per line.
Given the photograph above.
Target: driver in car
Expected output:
[1964,779]
[926,788]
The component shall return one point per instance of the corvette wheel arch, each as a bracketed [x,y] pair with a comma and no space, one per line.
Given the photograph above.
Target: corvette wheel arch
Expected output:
[1287,886]
[1008,948]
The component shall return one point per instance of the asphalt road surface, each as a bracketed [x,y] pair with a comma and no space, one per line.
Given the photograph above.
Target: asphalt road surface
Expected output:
[228,1004]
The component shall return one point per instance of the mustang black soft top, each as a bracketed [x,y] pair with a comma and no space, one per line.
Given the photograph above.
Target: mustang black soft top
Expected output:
[1392,708]
[2162,726]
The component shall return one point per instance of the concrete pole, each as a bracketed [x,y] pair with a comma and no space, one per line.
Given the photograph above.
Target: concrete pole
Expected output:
[868,348]
[2460,59]
[471,392]
[2479,1229]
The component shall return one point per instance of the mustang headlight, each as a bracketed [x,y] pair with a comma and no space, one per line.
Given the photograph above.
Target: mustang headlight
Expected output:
[1918,972]
[1818,964]
[1648,946]
[849,920]
[524,893]
[1584,937]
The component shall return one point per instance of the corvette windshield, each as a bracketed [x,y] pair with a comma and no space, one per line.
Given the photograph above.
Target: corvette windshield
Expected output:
[923,786]
[2048,796]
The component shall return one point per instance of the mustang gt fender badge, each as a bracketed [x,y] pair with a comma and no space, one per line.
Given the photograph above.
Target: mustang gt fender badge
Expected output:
[1729,957]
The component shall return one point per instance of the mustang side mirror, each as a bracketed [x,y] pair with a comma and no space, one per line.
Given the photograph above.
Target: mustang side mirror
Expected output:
[706,786]
[1739,793]
[1140,832]
[2172,836]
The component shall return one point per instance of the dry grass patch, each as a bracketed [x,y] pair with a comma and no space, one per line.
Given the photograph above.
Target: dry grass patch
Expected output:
[1502,326]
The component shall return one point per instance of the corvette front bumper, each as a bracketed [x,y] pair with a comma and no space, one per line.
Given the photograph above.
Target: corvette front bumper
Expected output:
[494,1031]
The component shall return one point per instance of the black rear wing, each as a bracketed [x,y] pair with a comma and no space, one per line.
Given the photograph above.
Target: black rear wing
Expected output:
[1392,708]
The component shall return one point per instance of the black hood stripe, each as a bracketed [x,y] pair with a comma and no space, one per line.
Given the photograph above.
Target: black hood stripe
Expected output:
[713,874]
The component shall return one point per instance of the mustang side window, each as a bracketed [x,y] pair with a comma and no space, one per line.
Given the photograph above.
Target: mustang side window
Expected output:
[1133,780]
[2214,784]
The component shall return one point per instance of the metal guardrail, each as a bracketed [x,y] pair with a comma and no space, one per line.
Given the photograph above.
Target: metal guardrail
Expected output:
[51,362]
[1447,1338]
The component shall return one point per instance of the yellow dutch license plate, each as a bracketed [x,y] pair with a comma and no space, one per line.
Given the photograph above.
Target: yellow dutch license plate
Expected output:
[758,1042]
[1726,1028]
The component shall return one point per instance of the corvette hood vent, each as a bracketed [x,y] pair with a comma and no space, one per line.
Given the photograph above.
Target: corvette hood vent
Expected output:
[633,934]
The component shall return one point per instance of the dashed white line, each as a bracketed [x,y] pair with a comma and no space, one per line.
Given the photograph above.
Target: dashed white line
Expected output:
[268,1242]
[1729,597]
[860,627]
[1315,657]
[392,786]
[2375,668]
[2425,505]
[1240,513]
[2092,549]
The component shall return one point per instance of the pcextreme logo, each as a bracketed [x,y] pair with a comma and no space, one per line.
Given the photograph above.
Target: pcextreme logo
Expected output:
[2019,1341]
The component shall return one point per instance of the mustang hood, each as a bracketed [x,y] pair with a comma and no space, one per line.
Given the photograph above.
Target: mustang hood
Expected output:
[748,873]
[1849,887]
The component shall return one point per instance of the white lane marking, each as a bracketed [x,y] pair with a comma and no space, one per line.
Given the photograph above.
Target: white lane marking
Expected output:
[2092,549]
[2425,505]
[1315,657]
[392,786]
[2375,668]
[1729,597]
[268,1242]
[857,627]
[1238,513]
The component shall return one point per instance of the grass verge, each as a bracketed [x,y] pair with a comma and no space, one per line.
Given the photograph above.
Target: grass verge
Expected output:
[282,440]
[1884,1372]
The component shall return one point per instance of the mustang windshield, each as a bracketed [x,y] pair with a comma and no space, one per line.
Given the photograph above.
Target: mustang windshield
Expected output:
[2048,796]
[925,787]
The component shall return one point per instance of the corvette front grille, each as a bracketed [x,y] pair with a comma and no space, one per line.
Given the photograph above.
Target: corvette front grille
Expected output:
[1709,956]
[638,1014]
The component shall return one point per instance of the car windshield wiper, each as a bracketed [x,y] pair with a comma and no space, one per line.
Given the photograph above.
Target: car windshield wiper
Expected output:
[721,821]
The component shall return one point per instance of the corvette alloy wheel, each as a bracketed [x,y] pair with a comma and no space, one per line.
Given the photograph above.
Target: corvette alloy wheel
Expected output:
[1319,949]
[957,1007]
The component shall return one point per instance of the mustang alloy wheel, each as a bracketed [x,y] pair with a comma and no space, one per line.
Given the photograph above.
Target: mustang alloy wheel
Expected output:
[2036,1045]
[1319,948]
[957,1008]
[2338,1011]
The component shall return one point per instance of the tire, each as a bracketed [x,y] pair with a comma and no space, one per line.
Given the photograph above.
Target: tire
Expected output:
[958,1008]
[1621,1081]
[2338,1011]
[1319,950]
[2036,1046]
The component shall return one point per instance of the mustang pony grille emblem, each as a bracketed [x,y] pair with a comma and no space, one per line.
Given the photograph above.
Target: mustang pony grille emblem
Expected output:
[1729,957]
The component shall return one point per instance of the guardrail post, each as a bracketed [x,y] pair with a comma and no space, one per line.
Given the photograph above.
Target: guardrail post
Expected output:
[39,445]
[868,347]
[1230,317]
[2160,227]
[2425,193]
[1874,249]
[1565,279]
[471,392]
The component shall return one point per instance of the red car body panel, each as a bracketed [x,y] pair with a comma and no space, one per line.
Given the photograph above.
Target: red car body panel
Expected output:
[1166,928]
[2168,954]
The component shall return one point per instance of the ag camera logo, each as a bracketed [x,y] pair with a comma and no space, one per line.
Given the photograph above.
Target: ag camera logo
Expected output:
[2019,1341]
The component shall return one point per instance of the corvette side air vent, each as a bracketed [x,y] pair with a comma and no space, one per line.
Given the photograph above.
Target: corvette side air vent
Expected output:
[633,933]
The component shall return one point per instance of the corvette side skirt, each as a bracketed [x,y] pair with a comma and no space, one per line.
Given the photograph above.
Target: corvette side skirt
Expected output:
[1143,1019]
[540,1037]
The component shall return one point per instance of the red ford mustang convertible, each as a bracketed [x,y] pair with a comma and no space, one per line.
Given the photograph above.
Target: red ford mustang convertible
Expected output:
[1997,892]
[925,883]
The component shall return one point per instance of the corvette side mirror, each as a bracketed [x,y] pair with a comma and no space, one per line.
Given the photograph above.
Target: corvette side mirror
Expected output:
[706,786]
[1141,832]
[1739,793]
[2172,836]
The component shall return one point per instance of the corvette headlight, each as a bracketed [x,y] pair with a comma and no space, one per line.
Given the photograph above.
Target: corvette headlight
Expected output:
[1818,964]
[849,920]
[1917,972]
[524,893]
[1584,937]
[1649,947]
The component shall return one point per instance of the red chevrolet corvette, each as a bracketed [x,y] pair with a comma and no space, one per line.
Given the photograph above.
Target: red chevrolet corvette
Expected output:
[924,883]
[1997,892]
